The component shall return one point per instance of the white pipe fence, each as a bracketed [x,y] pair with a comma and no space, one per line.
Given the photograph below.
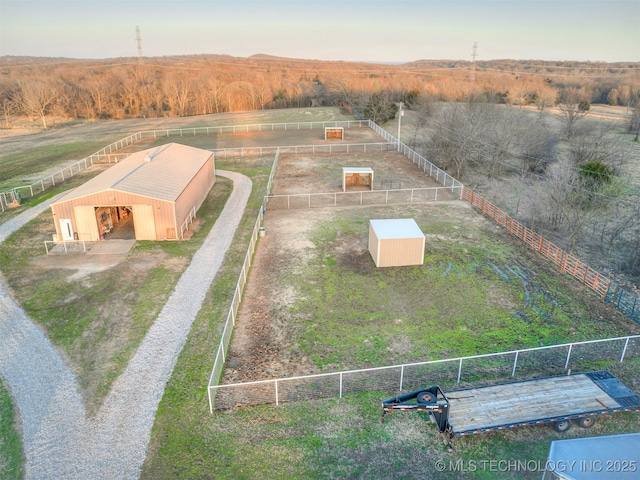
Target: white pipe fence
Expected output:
[13,195]
[65,246]
[304,149]
[392,380]
[365,197]
[185,225]
[223,347]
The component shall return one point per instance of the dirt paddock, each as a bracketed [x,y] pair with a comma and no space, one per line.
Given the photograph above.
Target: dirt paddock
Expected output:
[262,339]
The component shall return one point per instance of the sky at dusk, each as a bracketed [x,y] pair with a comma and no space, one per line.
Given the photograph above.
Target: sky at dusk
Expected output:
[349,30]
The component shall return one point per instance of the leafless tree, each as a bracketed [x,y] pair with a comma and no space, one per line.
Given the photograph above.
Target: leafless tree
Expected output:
[34,97]
[572,109]
[596,142]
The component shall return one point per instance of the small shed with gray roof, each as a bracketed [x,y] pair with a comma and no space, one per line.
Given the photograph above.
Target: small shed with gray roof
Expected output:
[157,190]
[396,242]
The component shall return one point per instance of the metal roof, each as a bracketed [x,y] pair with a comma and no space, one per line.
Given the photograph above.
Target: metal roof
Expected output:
[161,172]
[611,456]
[357,170]
[396,228]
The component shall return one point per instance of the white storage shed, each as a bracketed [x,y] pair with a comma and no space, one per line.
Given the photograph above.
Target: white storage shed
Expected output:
[396,242]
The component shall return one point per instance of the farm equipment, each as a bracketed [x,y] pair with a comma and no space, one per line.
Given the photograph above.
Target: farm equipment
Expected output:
[557,400]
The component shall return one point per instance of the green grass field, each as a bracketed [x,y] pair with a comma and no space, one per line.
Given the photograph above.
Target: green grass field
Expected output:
[316,438]
[10,445]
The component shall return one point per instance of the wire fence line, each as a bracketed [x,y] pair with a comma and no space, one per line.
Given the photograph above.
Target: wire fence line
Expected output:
[223,347]
[13,196]
[368,197]
[384,378]
[256,127]
[448,373]
[608,291]
[302,149]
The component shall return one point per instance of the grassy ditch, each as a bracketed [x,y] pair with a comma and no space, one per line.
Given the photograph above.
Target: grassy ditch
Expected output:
[10,445]
[98,320]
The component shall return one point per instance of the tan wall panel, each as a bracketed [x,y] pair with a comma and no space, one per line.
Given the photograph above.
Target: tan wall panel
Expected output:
[196,192]
[86,223]
[374,244]
[401,252]
[164,217]
[143,222]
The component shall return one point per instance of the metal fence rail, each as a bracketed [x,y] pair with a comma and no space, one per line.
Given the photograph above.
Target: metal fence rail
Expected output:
[223,347]
[369,197]
[624,301]
[14,195]
[461,371]
[256,127]
[567,263]
[303,149]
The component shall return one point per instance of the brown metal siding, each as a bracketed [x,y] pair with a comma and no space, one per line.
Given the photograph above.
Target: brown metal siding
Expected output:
[374,244]
[143,222]
[84,216]
[399,252]
[163,211]
[195,193]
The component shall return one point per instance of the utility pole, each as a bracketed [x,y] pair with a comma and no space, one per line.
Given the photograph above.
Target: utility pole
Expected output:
[473,61]
[139,42]
[400,114]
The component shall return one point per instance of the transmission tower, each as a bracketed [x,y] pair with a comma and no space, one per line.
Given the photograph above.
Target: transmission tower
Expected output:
[474,54]
[139,42]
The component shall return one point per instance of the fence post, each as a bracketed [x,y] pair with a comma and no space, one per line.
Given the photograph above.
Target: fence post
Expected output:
[459,370]
[210,404]
[340,384]
[401,376]
[566,364]
[624,350]
[515,363]
[276,393]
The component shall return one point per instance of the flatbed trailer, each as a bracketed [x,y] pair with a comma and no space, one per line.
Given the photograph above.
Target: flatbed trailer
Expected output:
[557,400]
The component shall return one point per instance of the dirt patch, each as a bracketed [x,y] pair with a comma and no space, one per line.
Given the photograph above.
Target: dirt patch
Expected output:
[268,329]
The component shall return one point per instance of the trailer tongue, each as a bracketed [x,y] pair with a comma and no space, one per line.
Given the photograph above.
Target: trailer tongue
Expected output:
[556,400]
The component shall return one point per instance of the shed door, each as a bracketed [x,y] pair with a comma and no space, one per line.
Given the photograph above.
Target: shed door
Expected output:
[65,229]
[86,223]
[143,222]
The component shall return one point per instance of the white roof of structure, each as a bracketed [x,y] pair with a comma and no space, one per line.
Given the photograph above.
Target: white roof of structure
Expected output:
[396,228]
[357,170]
[595,457]
[161,172]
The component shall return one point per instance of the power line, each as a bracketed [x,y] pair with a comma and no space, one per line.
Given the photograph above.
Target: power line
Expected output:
[139,42]
[473,61]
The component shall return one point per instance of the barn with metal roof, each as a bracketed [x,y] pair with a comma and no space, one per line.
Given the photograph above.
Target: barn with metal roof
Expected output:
[155,192]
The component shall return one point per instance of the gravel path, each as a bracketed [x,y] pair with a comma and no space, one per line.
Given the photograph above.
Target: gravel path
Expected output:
[59,441]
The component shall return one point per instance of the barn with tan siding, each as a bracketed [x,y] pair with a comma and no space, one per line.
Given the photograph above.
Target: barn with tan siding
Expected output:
[158,190]
[396,242]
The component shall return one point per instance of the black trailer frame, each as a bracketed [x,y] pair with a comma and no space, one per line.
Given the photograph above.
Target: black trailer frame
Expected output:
[610,396]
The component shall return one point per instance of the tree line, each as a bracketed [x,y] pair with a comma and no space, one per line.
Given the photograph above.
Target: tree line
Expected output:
[202,84]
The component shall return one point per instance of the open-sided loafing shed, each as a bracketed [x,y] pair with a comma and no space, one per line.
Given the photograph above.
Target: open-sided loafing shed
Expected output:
[357,177]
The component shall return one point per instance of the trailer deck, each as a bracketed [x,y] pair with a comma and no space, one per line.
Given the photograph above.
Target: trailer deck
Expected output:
[536,401]
[557,400]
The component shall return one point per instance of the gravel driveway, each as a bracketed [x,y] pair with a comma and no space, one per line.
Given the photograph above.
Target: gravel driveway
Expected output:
[59,441]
